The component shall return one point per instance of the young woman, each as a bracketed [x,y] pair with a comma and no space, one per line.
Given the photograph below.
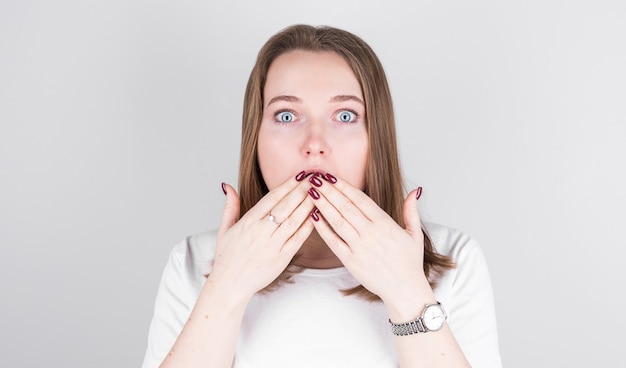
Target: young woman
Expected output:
[320,260]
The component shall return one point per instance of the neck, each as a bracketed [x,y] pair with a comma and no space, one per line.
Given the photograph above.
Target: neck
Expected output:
[314,253]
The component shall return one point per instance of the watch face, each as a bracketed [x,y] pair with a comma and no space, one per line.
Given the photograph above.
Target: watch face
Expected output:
[434,317]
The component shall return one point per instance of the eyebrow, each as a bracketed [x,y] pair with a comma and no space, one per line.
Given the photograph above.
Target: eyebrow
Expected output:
[284,98]
[339,98]
[342,98]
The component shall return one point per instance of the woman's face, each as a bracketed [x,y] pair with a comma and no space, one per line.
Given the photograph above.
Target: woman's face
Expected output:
[313,119]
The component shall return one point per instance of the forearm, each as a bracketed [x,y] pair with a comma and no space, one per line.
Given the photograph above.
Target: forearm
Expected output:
[432,349]
[209,337]
[429,349]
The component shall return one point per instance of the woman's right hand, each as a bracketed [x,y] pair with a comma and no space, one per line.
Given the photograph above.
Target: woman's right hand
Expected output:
[253,251]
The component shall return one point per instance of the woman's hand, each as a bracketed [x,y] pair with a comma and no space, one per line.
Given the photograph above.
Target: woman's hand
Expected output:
[252,251]
[385,258]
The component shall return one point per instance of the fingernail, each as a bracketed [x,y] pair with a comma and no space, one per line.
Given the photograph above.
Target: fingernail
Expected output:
[418,194]
[300,176]
[314,193]
[224,188]
[331,178]
[315,181]
[314,214]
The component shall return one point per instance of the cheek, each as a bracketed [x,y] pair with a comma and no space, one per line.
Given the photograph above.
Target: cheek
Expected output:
[353,161]
[265,152]
[361,167]
[273,160]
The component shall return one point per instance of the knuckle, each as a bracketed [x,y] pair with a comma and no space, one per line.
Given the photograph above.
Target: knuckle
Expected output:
[360,198]
[281,207]
[334,242]
[273,197]
[338,222]
[296,238]
[346,207]
[291,222]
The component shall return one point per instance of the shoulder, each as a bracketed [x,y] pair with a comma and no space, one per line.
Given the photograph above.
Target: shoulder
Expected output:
[182,279]
[470,275]
[450,241]
[194,255]
[201,247]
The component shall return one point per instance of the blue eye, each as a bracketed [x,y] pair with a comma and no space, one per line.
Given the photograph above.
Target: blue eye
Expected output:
[346,116]
[285,117]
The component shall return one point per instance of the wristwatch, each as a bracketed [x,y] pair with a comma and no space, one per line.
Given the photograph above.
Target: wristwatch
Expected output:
[432,319]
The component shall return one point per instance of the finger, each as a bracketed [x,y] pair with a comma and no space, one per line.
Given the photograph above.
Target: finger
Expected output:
[357,197]
[339,247]
[295,241]
[294,220]
[269,201]
[288,204]
[412,221]
[339,224]
[230,215]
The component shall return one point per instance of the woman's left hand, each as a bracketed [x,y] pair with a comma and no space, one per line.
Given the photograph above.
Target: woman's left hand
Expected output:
[385,258]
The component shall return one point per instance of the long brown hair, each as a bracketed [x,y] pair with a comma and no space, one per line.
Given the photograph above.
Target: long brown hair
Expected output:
[383,177]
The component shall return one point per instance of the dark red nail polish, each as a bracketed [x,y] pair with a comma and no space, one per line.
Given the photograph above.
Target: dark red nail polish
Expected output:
[315,181]
[314,193]
[418,194]
[224,188]
[314,214]
[300,176]
[331,178]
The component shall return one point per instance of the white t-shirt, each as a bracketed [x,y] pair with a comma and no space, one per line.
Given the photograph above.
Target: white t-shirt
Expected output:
[310,323]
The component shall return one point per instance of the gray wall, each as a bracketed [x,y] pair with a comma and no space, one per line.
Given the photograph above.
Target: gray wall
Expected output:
[119,120]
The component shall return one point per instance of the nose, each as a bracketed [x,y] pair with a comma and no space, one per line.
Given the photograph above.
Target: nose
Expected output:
[316,141]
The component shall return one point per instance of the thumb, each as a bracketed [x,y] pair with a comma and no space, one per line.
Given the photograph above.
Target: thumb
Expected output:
[412,221]
[231,209]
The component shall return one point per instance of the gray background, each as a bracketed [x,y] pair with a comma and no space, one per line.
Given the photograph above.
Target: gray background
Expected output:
[120,119]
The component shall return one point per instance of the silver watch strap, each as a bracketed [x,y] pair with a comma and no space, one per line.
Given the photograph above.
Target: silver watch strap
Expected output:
[408,328]
[416,326]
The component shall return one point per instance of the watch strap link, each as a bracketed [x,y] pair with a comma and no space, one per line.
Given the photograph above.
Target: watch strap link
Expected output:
[408,328]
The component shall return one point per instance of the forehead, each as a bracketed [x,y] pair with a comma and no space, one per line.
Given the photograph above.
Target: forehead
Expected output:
[303,71]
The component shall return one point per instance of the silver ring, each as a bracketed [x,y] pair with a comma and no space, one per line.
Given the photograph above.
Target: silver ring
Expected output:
[273,219]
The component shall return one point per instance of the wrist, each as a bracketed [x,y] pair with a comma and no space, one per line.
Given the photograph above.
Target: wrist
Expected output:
[431,319]
[229,295]
[409,304]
